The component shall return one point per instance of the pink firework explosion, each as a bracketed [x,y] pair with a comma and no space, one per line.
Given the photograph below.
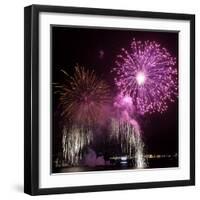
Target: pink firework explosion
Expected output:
[147,74]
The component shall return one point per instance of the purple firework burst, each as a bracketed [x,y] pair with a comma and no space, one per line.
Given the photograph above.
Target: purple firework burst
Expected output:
[148,75]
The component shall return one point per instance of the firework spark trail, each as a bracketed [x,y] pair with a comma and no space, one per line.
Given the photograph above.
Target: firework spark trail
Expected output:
[148,74]
[75,139]
[125,130]
[84,97]
[130,141]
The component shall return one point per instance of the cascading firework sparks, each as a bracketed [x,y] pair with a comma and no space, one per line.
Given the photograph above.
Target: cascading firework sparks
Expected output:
[84,97]
[148,74]
[130,141]
[75,139]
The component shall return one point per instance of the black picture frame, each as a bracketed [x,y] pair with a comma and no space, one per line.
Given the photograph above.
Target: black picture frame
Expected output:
[31,99]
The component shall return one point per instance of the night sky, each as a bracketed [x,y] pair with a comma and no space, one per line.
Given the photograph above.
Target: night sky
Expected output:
[97,49]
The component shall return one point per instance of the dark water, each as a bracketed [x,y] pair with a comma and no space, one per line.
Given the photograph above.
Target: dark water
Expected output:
[151,163]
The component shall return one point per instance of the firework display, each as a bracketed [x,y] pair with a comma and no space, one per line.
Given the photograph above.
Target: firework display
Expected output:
[74,140]
[125,130]
[147,74]
[104,108]
[129,139]
[84,97]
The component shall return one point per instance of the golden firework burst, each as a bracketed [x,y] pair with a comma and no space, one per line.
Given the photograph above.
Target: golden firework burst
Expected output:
[84,97]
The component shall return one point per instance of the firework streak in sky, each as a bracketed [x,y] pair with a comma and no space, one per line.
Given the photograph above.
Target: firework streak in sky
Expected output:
[148,75]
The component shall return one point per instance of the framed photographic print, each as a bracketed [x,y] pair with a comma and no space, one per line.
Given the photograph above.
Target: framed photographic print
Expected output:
[109,100]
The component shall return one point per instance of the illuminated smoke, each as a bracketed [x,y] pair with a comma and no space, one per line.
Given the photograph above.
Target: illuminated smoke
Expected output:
[92,160]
